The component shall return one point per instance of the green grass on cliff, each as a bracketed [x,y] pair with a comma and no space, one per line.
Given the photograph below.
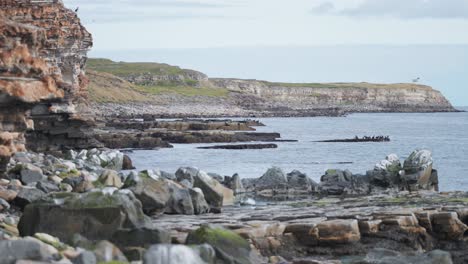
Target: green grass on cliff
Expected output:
[183,90]
[350,85]
[123,69]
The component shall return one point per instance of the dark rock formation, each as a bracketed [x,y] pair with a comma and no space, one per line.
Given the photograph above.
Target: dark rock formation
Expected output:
[242,146]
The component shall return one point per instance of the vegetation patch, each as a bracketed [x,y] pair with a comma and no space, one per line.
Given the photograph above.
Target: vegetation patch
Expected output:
[183,90]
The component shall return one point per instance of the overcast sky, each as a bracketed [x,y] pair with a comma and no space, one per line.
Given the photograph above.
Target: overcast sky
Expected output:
[123,24]
[304,34]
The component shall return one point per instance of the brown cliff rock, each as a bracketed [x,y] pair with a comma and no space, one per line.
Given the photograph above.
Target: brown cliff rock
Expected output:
[55,70]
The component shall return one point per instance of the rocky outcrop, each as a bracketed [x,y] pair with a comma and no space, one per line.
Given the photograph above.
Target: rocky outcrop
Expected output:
[63,46]
[25,79]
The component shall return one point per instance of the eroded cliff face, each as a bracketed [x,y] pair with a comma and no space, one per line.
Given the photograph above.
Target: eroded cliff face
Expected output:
[25,80]
[61,123]
[348,97]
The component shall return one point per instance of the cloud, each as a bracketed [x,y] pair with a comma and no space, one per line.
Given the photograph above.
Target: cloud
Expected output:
[406,9]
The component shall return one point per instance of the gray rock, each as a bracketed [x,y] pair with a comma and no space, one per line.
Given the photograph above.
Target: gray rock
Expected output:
[73,181]
[30,173]
[186,173]
[418,172]
[47,187]
[168,176]
[216,176]
[300,181]
[180,201]
[86,257]
[27,195]
[95,215]
[234,183]
[213,195]
[172,254]
[13,250]
[274,178]
[141,237]
[200,206]
[4,205]
[153,194]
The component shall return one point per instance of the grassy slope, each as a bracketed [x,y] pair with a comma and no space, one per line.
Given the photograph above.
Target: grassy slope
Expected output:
[107,85]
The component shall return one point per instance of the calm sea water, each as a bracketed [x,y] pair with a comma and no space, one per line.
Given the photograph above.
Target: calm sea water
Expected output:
[445,134]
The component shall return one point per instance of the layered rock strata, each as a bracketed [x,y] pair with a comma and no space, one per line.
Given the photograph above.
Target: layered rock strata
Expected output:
[61,123]
[26,79]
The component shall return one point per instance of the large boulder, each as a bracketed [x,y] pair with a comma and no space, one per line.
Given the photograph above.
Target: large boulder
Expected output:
[229,246]
[186,174]
[215,193]
[27,195]
[273,178]
[153,194]
[386,173]
[234,183]
[30,173]
[418,173]
[110,178]
[95,215]
[200,206]
[300,181]
[180,201]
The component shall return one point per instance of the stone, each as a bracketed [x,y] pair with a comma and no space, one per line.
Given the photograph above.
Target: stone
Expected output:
[212,189]
[7,195]
[13,250]
[229,246]
[274,178]
[299,180]
[153,194]
[234,183]
[180,201]
[85,257]
[84,186]
[200,206]
[108,252]
[172,254]
[168,176]
[141,237]
[30,173]
[27,195]
[110,178]
[338,231]
[47,187]
[447,226]
[417,170]
[4,205]
[95,215]
[187,173]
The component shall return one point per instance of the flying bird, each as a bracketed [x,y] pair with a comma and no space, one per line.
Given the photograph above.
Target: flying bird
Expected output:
[76,10]
[416,80]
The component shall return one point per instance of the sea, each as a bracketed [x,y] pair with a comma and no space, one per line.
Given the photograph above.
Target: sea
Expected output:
[445,134]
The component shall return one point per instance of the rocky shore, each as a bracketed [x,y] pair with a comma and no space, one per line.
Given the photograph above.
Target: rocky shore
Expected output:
[66,199]
[77,208]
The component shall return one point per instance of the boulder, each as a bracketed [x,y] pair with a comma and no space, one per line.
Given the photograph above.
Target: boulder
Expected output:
[153,194]
[47,187]
[186,173]
[340,231]
[95,215]
[30,173]
[234,183]
[447,226]
[175,254]
[84,186]
[274,178]
[7,195]
[215,193]
[110,178]
[386,172]
[27,195]
[300,181]
[85,257]
[418,173]
[141,237]
[229,246]
[23,249]
[200,206]
[180,201]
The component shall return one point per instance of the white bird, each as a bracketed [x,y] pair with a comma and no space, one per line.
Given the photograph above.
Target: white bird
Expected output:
[416,80]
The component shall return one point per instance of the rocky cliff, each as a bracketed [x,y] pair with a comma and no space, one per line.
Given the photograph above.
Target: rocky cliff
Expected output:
[64,44]
[168,91]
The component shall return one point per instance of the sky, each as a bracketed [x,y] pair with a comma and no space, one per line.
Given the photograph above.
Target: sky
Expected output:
[368,35]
